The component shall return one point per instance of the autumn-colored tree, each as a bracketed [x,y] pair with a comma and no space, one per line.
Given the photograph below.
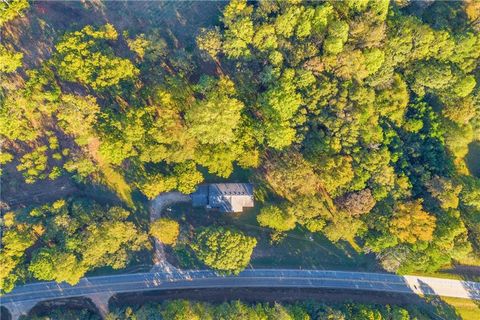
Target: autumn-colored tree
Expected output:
[444,191]
[290,175]
[356,203]
[165,230]
[410,223]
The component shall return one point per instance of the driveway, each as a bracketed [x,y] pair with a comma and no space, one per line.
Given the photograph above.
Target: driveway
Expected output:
[157,205]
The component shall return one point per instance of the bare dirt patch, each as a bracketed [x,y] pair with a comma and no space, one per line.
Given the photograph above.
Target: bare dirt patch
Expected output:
[14,192]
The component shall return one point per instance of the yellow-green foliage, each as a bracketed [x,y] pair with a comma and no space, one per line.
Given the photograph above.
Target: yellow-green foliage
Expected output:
[83,56]
[354,104]
[223,249]
[165,230]
[16,238]
[138,45]
[184,178]
[411,223]
[77,116]
[34,164]
[276,218]
[9,10]
[9,60]
[214,119]
[70,238]
[210,42]
[193,310]
[5,157]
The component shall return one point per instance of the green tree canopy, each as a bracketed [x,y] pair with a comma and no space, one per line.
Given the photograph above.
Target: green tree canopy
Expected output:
[85,56]
[9,60]
[276,218]
[165,230]
[9,10]
[68,239]
[223,249]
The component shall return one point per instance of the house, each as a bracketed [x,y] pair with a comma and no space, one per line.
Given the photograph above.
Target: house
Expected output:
[225,197]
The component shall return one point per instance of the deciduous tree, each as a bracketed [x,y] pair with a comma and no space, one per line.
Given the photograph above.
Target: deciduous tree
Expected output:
[165,230]
[410,223]
[223,249]
[276,218]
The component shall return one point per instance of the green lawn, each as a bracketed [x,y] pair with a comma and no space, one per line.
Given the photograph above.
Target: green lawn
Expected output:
[299,248]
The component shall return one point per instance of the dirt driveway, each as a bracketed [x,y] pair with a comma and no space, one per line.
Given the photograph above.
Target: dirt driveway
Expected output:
[157,205]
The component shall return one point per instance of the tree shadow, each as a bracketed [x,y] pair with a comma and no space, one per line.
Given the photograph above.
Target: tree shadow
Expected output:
[63,309]
[435,305]
[473,158]
[4,313]
[473,289]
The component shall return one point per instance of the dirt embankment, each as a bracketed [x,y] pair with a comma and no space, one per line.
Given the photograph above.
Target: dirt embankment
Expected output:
[15,193]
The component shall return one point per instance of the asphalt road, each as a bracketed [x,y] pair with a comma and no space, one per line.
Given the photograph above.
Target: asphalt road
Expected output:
[112,284]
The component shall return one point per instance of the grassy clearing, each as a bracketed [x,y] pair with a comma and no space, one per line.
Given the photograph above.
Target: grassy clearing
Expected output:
[117,183]
[114,180]
[473,158]
[470,260]
[298,249]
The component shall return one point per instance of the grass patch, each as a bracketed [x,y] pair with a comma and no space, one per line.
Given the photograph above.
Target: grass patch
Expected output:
[470,260]
[117,183]
[473,158]
[114,180]
[298,249]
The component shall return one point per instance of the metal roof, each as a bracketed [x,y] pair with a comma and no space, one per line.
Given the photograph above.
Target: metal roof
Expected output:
[226,197]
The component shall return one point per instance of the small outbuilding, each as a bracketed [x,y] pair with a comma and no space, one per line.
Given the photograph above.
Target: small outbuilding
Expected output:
[226,197]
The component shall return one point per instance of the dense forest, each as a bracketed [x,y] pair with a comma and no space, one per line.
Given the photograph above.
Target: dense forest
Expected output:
[191,310]
[352,118]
